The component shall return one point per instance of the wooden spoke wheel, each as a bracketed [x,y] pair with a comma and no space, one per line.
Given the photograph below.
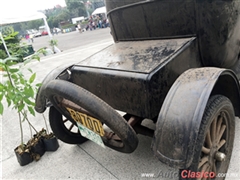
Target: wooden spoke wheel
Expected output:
[64,128]
[215,140]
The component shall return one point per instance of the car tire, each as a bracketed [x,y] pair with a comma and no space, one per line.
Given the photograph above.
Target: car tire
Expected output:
[215,140]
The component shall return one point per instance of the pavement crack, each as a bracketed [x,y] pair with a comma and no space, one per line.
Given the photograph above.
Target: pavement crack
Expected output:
[5,159]
[98,162]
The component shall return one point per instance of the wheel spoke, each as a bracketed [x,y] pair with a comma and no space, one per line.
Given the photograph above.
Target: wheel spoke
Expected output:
[205,167]
[70,128]
[219,124]
[213,129]
[221,143]
[208,170]
[65,120]
[202,161]
[222,130]
[199,178]
[208,139]
[214,169]
[205,150]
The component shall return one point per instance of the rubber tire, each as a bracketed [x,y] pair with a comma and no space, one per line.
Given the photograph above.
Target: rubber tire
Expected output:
[98,108]
[215,104]
[60,130]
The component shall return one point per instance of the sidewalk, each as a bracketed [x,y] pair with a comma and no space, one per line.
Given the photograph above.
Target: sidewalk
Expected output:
[86,161]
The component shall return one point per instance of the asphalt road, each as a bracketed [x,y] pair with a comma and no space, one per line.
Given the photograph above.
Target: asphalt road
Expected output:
[73,39]
[86,161]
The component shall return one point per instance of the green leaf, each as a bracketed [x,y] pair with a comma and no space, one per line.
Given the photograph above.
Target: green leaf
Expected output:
[15,33]
[27,61]
[32,78]
[13,70]
[10,59]
[1,108]
[22,80]
[1,87]
[20,107]
[31,110]
[11,63]
[8,83]
[8,38]
[30,70]
[1,96]
[10,95]
[35,56]
[29,92]
[38,84]
[2,66]
[26,100]
[14,76]
[9,102]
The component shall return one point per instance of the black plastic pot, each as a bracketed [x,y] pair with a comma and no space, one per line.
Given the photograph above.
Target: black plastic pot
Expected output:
[38,147]
[51,144]
[23,158]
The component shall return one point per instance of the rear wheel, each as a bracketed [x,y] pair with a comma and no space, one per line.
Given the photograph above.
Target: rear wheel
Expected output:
[64,129]
[215,141]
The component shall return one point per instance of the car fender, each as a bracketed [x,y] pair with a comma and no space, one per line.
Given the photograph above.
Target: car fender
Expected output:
[180,117]
[61,72]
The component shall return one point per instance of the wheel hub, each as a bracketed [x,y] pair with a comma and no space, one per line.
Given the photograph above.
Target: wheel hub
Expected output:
[219,156]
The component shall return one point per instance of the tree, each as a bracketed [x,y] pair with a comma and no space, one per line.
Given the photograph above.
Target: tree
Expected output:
[35,24]
[77,7]
[54,20]
[10,37]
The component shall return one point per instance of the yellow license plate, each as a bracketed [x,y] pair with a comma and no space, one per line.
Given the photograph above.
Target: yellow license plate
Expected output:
[91,123]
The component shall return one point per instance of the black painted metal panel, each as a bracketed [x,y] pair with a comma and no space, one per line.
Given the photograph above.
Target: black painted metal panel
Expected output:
[137,90]
[215,23]
[135,56]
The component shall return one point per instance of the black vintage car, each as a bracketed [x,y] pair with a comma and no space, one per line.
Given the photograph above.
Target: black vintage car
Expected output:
[174,62]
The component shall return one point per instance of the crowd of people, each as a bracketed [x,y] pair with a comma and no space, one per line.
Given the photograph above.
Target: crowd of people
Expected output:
[97,23]
[55,31]
[93,23]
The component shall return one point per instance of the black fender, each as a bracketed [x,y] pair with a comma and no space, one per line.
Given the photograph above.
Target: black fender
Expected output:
[61,72]
[180,117]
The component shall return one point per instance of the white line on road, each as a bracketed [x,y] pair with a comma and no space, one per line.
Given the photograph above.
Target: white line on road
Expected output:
[64,54]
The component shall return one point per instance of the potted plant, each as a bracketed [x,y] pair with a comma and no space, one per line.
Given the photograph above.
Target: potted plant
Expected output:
[49,139]
[19,93]
[53,43]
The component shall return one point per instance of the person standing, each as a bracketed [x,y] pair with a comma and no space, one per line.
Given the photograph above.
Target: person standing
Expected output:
[31,37]
[54,30]
[79,28]
[100,23]
[27,37]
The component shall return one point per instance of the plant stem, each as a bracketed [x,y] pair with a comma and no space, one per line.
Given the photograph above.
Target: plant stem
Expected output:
[9,77]
[24,114]
[45,123]
[21,130]
[30,130]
